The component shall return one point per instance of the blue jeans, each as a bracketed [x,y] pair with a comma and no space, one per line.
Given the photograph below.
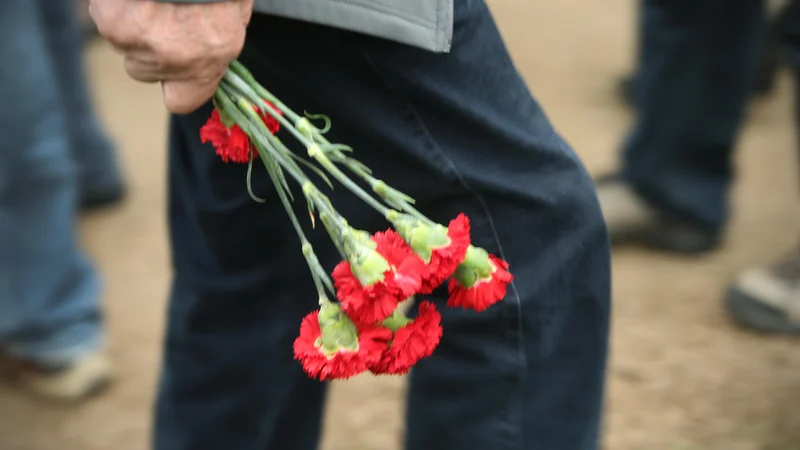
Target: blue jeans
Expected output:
[51,146]
[460,133]
[696,66]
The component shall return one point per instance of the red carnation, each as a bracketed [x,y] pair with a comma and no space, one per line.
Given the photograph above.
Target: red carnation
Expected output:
[484,291]
[375,302]
[343,363]
[232,144]
[272,123]
[415,340]
[444,260]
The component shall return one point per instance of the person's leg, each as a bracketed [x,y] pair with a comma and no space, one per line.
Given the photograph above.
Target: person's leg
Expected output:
[697,63]
[459,132]
[529,372]
[767,298]
[49,312]
[241,287]
[770,57]
[100,179]
[768,62]
[626,85]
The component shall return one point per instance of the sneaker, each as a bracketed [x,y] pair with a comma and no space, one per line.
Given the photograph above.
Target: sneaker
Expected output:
[72,383]
[767,299]
[631,221]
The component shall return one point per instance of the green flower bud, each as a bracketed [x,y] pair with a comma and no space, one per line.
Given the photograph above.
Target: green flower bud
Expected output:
[338,331]
[304,126]
[396,321]
[476,266]
[368,265]
[422,237]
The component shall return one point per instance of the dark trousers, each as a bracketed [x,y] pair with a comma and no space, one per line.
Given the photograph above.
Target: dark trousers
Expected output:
[696,67]
[459,132]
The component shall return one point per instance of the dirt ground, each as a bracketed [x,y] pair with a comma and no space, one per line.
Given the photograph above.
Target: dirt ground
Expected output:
[681,376]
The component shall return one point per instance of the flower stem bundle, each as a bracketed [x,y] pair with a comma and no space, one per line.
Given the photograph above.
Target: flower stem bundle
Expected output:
[358,326]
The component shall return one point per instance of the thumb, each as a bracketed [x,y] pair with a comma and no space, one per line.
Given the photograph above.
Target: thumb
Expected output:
[186,96]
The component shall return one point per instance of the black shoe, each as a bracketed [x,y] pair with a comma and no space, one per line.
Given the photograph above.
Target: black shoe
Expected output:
[101,199]
[631,221]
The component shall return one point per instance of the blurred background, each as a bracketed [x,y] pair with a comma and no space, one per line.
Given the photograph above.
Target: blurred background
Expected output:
[682,375]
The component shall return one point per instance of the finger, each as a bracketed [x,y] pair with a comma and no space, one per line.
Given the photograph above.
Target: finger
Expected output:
[96,13]
[148,66]
[147,70]
[125,49]
[185,96]
[246,11]
[112,18]
[119,49]
[101,18]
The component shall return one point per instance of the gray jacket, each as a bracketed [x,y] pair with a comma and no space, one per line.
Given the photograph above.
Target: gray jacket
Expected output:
[427,24]
[423,23]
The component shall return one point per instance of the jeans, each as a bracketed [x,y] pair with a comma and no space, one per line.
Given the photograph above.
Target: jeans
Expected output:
[51,147]
[93,151]
[790,37]
[696,66]
[459,132]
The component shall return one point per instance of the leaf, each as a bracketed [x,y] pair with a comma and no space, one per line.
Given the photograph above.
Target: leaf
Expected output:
[320,116]
[339,147]
[311,211]
[358,164]
[314,168]
[250,178]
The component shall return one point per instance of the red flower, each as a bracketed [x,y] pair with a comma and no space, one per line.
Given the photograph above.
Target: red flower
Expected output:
[232,144]
[272,123]
[373,303]
[412,342]
[343,363]
[444,260]
[484,292]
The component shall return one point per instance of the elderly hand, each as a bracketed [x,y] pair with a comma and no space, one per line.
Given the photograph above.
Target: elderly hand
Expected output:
[185,46]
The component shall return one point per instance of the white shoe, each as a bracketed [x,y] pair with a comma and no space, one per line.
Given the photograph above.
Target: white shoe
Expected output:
[767,299]
[84,378]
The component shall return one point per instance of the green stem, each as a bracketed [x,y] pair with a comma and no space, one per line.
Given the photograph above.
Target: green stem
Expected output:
[254,127]
[269,155]
[250,122]
[320,277]
[357,168]
[238,90]
[241,71]
[397,200]
[318,155]
[323,204]
[241,85]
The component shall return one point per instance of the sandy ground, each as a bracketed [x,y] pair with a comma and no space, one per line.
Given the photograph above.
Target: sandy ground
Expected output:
[681,376]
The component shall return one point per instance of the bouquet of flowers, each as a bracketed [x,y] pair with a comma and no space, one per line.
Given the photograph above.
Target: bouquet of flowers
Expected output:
[364,330]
